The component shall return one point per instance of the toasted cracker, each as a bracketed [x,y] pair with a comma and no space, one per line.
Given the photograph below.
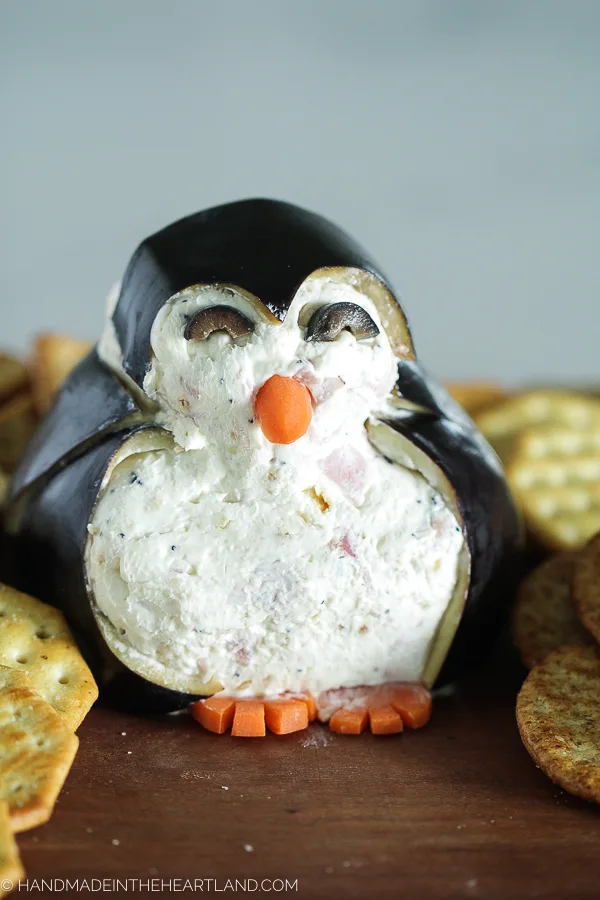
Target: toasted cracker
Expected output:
[11,868]
[586,586]
[54,356]
[36,751]
[555,477]
[504,423]
[35,639]
[475,396]
[544,616]
[559,718]
[14,377]
[18,421]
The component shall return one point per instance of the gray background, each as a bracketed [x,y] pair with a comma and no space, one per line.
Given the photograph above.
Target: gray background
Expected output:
[460,141]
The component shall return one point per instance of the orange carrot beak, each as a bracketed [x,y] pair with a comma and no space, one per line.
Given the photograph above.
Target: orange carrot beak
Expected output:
[283,409]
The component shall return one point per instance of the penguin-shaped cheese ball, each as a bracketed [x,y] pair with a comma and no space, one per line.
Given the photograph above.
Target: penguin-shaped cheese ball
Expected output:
[251,487]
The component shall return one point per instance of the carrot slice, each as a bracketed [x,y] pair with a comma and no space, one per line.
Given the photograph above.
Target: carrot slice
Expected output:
[215,713]
[285,716]
[349,721]
[249,719]
[311,706]
[283,409]
[385,720]
[413,702]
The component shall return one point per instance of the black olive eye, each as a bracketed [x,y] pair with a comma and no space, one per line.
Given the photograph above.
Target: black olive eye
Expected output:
[328,322]
[218,318]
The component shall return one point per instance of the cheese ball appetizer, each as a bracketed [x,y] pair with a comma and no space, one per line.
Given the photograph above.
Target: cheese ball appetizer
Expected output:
[250,490]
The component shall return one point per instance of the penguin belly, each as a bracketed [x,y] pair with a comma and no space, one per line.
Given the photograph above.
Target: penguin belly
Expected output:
[290,578]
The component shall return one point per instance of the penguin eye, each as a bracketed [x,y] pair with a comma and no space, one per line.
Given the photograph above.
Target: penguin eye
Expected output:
[328,322]
[218,318]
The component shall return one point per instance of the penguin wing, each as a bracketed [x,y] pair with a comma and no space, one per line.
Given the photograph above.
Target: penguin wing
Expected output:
[91,402]
[48,535]
[445,447]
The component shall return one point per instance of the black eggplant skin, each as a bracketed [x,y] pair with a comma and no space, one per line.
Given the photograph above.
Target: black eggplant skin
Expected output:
[492,524]
[265,246]
[47,561]
[91,402]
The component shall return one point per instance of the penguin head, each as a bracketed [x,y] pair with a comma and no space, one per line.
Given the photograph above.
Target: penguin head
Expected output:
[249,320]
[223,366]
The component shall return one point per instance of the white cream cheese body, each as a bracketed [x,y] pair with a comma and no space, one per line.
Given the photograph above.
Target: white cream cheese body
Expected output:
[262,567]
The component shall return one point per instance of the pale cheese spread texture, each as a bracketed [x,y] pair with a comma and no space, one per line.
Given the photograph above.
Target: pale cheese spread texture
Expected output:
[261,567]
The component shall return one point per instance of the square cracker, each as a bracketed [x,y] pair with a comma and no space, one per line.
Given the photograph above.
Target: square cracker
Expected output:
[36,751]
[11,868]
[3,487]
[35,639]
[54,356]
[555,478]
[14,377]
[476,396]
[18,421]
[504,423]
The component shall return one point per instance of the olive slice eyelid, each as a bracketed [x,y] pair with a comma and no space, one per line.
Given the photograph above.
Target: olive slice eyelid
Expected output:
[328,322]
[212,319]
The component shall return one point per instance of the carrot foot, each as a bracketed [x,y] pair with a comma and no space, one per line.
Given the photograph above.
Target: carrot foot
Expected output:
[387,708]
[251,718]
[349,721]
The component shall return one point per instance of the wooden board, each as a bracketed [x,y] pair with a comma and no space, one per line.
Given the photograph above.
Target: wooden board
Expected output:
[455,810]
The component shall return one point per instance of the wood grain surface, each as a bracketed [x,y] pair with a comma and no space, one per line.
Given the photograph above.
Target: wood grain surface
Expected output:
[455,810]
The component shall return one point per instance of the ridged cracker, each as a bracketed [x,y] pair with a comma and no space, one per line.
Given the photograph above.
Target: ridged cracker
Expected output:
[36,751]
[544,616]
[35,639]
[586,586]
[11,868]
[558,715]
[555,477]
[504,423]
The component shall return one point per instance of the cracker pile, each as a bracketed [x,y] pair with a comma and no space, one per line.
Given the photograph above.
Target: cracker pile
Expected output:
[549,444]
[556,628]
[46,689]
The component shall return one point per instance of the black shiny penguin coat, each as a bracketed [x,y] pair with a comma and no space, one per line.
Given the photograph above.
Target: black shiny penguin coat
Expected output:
[268,248]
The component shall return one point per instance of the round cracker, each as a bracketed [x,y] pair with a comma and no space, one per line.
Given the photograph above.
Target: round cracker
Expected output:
[586,586]
[544,617]
[559,718]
